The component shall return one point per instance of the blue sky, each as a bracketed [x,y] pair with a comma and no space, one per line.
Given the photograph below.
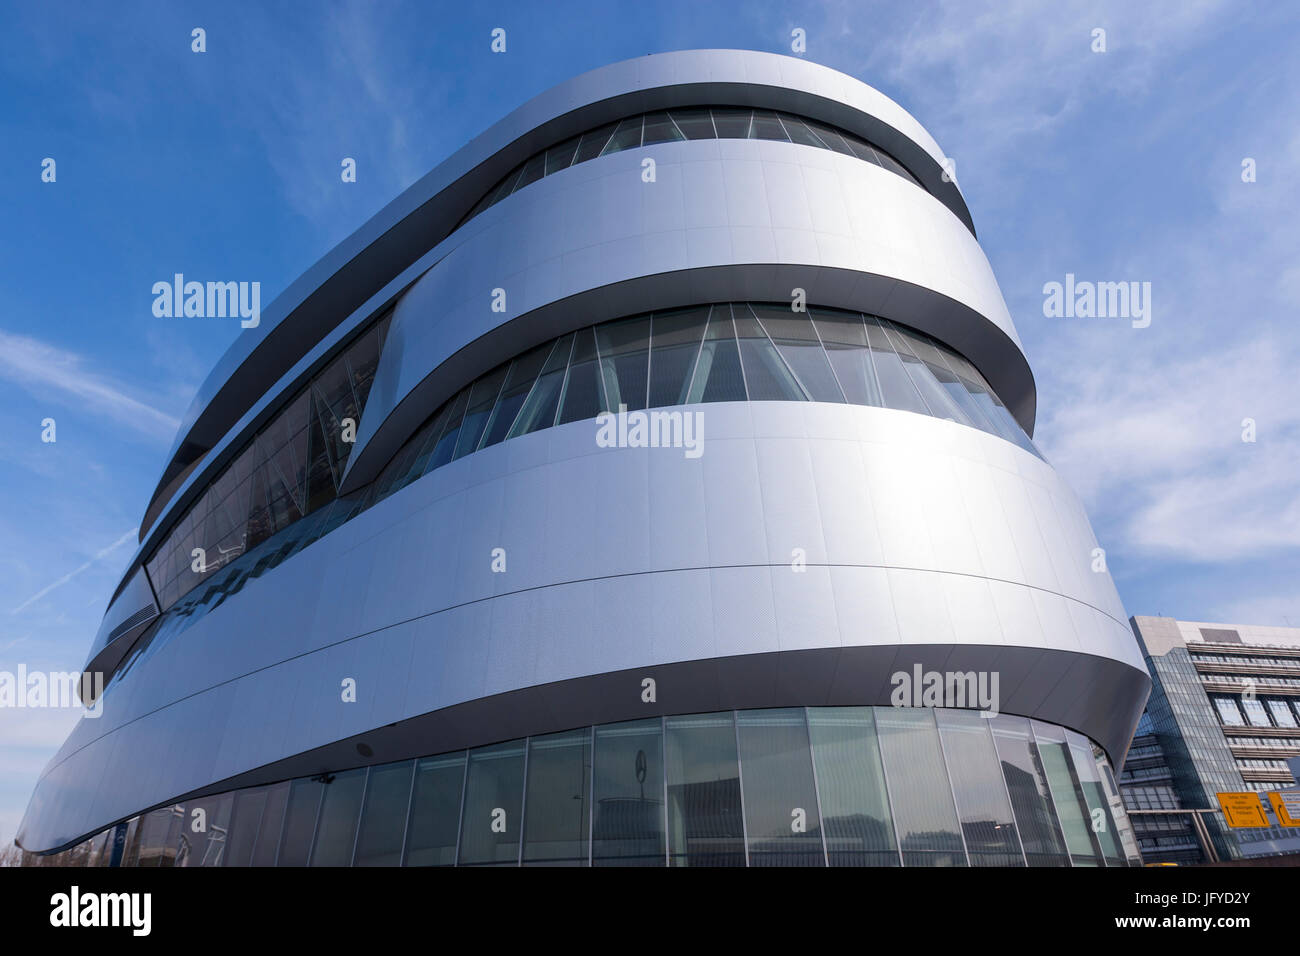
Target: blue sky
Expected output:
[1115,166]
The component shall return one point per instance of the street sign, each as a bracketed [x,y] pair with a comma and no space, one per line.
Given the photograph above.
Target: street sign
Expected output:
[1286,805]
[1242,810]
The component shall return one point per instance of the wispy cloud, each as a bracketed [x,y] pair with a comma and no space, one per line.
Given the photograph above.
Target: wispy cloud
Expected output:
[59,375]
[99,556]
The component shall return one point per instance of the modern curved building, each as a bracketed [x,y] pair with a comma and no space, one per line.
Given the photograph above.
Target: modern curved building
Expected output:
[650,483]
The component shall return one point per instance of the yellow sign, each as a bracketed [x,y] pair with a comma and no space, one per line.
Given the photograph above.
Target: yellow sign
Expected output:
[1287,807]
[1242,810]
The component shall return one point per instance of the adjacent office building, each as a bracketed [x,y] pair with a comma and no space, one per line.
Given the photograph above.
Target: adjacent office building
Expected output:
[594,503]
[1223,717]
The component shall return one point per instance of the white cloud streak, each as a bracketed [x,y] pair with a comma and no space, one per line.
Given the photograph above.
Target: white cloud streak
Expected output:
[99,556]
[55,374]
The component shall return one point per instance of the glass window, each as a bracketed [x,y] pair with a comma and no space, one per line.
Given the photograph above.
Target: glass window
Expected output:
[660,129]
[435,811]
[1027,784]
[675,345]
[982,802]
[1281,713]
[767,126]
[494,793]
[918,781]
[704,809]
[204,831]
[624,359]
[936,397]
[519,382]
[153,843]
[532,171]
[718,376]
[767,377]
[861,149]
[628,784]
[895,384]
[695,123]
[782,822]
[507,185]
[798,132]
[267,845]
[561,156]
[445,446]
[584,395]
[244,824]
[1067,795]
[731,123]
[829,136]
[300,822]
[557,808]
[1256,713]
[337,832]
[593,143]
[1101,821]
[482,397]
[1228,713]
[544,400]
[844,336]
[383,821]
[627,136]
[797,341]
[851,784]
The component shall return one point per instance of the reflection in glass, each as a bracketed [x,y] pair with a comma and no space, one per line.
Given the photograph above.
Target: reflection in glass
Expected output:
[782,823]
[494,792]
[1102,822]
[558,804]
[1026,781]
[435,811]
[851,784]
[383,819]
[1067,796]
[705,826]
[300,822]
[337,831]
[628,782]
[918,783]
[982,802]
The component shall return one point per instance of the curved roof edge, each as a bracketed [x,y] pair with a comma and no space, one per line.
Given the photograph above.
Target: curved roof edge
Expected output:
[428,211]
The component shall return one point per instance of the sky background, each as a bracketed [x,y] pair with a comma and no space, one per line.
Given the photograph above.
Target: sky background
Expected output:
[1115,166]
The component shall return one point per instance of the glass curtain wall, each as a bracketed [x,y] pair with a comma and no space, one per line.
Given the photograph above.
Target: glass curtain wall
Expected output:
[794,786]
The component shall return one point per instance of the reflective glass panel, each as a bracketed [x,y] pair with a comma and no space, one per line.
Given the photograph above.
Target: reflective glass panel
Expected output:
[918,783]
[624,360]
[435,811]
[797,341]
[628,780]
[300,822]
[340,809]
[1101,821]
[1040,834]
[557,808]
[1067,796]
[494,793]
[675,345]
[767,377]
[267,844]
[718,376]
[782,822]
[982,802]
[705,826]
[383,819]
[851,784]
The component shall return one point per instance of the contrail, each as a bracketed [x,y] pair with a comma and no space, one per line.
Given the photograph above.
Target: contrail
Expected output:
[72,574]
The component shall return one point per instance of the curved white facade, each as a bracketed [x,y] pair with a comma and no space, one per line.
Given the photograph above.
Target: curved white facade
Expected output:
[812,551]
